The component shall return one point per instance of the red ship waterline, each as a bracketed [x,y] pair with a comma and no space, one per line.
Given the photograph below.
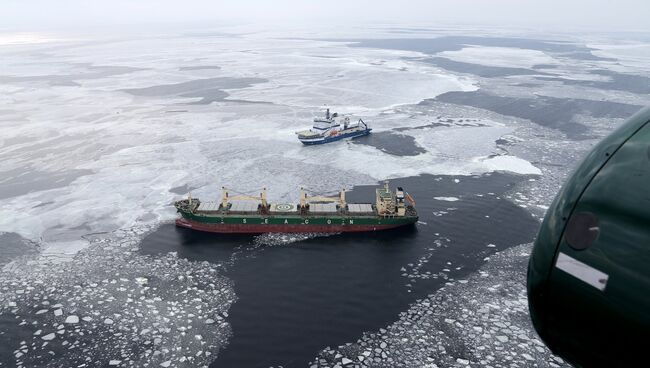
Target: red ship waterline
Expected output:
[245,214]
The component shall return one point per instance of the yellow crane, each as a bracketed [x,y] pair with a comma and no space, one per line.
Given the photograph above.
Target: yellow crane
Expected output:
[305,199]
[225,197]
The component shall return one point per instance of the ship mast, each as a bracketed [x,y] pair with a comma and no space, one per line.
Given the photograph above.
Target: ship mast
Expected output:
[263,197]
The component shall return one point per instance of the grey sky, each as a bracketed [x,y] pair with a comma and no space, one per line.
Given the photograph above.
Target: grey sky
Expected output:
[606,15]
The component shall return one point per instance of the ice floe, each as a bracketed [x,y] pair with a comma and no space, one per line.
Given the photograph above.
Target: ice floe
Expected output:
[446,199]
[111,316]
[508,57]
[632,54]
[72,319]
[473,323]
[511,164]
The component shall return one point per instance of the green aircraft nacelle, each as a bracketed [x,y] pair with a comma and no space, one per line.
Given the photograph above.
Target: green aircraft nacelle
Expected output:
[589,272]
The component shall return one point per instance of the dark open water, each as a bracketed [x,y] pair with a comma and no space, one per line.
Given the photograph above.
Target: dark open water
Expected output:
[295,299]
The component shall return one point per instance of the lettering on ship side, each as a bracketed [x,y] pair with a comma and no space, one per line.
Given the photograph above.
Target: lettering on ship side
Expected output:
[329,222]
[286,221]
[244,221]
[306,221]
[265,221]
[351,221]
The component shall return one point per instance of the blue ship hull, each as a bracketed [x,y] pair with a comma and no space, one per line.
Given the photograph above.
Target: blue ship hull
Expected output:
[336,137]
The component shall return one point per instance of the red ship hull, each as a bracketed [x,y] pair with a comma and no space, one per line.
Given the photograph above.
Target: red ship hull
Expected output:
[280,228]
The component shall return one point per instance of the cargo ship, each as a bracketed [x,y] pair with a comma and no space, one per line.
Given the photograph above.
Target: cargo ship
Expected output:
[328,129]
[246,214]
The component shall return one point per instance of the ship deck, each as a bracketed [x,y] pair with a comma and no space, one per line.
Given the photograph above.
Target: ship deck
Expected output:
[351,212]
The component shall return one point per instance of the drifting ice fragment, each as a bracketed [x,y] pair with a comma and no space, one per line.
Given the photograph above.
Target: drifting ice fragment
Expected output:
[72,319]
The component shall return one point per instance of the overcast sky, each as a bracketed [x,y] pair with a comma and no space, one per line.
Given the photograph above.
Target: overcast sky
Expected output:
[557,15]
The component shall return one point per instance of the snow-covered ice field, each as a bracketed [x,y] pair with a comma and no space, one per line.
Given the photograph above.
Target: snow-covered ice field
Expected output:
[98,135]
[107,158]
